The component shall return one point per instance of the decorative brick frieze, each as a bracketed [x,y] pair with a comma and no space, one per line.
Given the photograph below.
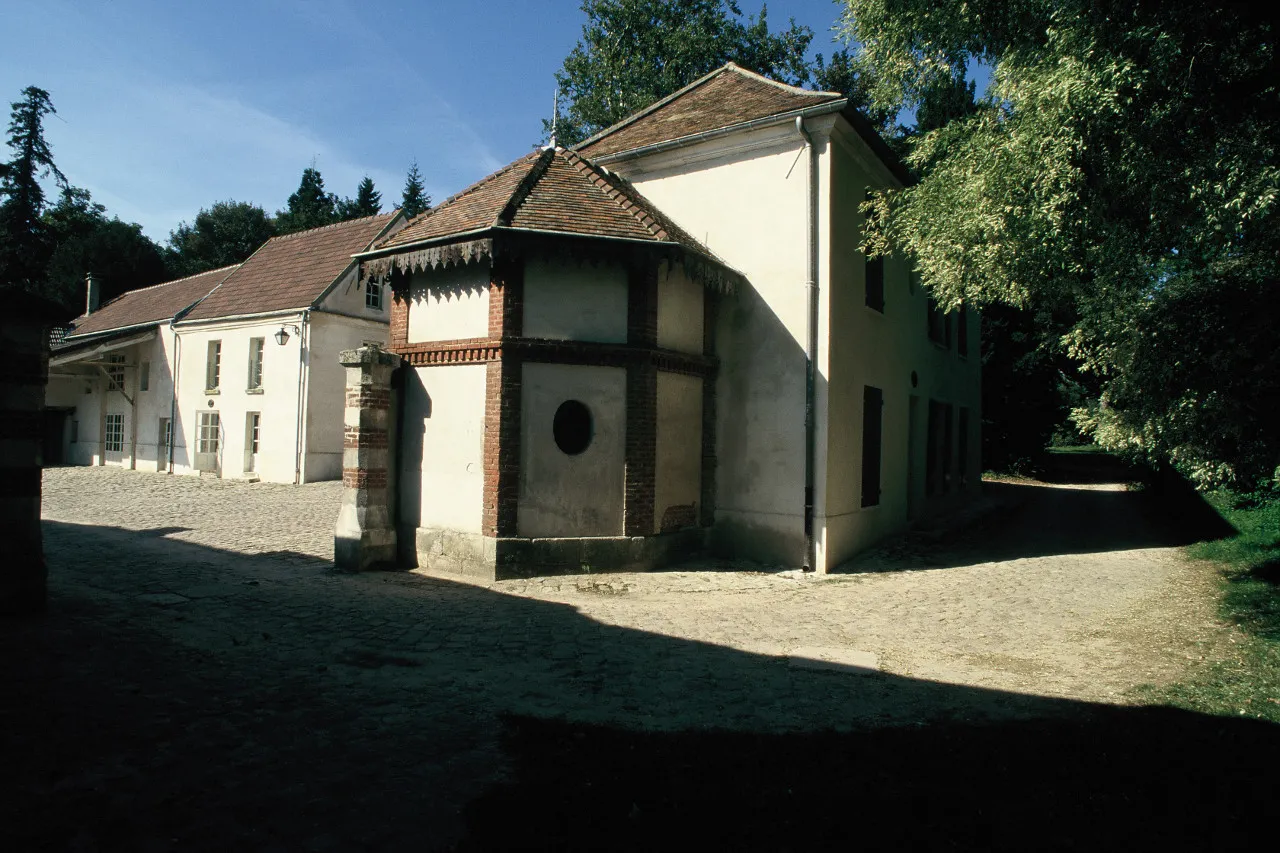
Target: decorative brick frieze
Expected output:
[483,350]
[365,535]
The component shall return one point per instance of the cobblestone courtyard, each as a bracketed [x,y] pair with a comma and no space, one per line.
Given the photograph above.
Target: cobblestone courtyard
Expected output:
[273,703]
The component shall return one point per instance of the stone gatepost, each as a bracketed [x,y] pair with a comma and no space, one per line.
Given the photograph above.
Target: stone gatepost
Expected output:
[365,537]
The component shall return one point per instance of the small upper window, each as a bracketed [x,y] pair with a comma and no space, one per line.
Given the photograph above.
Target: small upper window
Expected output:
[213,366]
[875,283]
[144,376]
[115,372]
[939,324]
[256,347]
[373,295]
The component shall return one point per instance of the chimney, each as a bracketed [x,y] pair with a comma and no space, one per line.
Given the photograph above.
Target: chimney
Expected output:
[91,294]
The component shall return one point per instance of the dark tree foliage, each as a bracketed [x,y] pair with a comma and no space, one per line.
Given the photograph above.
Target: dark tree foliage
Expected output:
[226,233]
[635,52]
[309,206]
[1125,163]
[842,75]
[368,202]
[25,242]
[414,199]
[84,240]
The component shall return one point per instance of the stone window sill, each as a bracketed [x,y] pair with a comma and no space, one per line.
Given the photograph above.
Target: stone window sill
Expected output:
[253,391]
[209,392]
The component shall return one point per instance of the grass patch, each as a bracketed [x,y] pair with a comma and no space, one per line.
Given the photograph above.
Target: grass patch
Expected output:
[1248,683]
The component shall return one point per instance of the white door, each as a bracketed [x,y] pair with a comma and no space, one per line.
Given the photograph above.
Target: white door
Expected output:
[252,433]
[209,443]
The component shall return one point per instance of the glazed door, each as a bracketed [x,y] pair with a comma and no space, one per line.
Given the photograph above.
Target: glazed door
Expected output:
[209,443]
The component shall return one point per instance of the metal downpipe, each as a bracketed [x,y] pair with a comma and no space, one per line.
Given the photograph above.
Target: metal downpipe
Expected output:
[811,349]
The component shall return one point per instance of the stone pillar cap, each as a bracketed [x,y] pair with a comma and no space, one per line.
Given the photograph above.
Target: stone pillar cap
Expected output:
[370,354]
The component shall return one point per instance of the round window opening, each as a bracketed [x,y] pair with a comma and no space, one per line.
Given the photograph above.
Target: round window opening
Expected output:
[572,427]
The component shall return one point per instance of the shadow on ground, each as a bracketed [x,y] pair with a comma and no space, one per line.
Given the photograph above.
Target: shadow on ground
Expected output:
[280,706]
[1087,503]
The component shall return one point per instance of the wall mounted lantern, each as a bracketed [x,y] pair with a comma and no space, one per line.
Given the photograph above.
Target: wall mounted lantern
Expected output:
[282,336]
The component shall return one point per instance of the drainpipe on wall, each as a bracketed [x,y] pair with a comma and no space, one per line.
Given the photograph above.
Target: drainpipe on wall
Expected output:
[811,347]
[173,405]
[302,399]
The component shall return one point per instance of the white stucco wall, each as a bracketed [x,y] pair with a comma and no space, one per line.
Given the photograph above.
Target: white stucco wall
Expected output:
[141,449]
[441,472]
[449,303]
[678,468]
[866,347]
[562,495]
[278,401]
[348,297]
[330,334]
[568,300]
[680,310]
[745,197]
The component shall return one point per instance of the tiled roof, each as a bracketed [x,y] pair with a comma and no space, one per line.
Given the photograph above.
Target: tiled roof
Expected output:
[156,304]
[727,96]
[552,190]
[291,271]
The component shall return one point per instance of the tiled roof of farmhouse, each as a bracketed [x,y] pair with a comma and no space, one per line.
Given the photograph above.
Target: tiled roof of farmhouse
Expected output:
[156,304]
[728,96]
[552,190]
[291,271]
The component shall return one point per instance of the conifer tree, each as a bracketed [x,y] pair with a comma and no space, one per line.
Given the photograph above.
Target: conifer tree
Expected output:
[24,237]
[415,198]
[309,207]
[368,202]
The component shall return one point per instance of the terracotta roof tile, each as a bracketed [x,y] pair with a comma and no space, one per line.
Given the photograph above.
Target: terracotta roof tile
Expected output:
[727,96]
[156,304]
[291,271]
[554,190]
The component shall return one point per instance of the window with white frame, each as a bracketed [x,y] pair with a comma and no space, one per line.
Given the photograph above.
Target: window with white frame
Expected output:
[213,366]
[373,295]
[255,430]
[209,433]
[115,372]
[257,347]
[144,376]
[114,434]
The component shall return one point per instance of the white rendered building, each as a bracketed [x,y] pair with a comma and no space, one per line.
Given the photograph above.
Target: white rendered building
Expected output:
[231,373]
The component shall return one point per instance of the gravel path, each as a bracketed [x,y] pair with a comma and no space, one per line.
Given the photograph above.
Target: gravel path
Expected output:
[198,636]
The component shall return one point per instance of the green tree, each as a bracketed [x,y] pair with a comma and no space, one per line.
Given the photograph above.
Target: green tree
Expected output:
[309,206]
[24,239]
[368,202]
[1125,165]
[119,255]
[414,199]
[224,234]
[635,52]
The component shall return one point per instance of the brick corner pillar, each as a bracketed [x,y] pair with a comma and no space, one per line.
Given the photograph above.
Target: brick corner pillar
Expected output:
[641,450]
[365,537]
[24,332]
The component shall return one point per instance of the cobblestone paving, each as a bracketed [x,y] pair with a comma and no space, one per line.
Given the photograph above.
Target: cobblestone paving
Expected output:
[199,638]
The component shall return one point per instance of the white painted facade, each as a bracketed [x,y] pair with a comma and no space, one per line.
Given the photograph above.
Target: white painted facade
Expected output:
[746,195]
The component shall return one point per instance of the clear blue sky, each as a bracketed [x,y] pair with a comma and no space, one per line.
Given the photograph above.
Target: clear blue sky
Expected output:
[167,107]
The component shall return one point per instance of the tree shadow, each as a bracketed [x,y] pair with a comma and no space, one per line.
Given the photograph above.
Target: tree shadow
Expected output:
[256,702]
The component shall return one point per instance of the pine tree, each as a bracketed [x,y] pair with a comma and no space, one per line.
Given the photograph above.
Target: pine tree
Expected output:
[24,237]
[368,202]
[415,198]
[309,207]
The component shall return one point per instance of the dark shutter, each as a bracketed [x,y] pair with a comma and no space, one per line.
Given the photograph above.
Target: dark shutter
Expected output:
[872,404]
[875,283]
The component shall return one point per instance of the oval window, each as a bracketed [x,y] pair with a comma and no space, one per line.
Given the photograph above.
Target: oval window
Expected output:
[572,427]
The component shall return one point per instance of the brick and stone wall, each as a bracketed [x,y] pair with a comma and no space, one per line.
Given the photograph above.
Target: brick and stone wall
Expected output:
[365,535]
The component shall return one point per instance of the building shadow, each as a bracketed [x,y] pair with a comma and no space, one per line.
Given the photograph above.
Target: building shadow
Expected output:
[250,702]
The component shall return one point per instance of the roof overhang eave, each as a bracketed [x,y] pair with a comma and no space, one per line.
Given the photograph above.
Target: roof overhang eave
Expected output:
[789,116]
[425,243]
[97,346]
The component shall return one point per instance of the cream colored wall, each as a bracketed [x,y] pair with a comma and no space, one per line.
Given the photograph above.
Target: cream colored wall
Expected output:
[348,297]
[441,472]
[866,347]
[329,335]
[678,468]
[278,401]
[680,309]
[562,495]
[746,198]
[449,303]
[90,409]
[567,300]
